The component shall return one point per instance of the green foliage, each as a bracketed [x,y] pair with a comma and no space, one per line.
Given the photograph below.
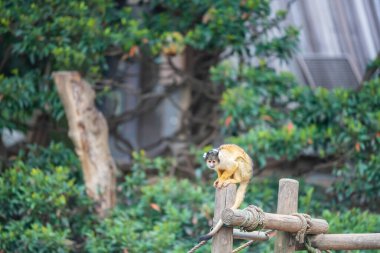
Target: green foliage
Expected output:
[353,221]
[20,96]
[52,156]
[38,37]
[166,216]
[23,193]
[141,165]
[357,219]
[219,25]
[273,117]
[23,236]
[114,234]
[43,207]
[69,34]
[38,209]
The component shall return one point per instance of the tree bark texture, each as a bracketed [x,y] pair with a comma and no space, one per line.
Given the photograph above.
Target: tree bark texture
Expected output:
[89,132]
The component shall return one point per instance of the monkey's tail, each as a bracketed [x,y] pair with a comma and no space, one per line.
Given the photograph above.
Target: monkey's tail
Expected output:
[240,193]
[208,236]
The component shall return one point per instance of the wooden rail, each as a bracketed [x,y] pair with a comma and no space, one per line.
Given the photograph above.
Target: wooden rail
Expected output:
[255,235]
[344,242]
[324,241]
[284,222]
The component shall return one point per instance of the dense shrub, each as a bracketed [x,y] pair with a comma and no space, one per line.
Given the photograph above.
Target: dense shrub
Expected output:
[166,218]
[41,210]
[44,208]
[39,37]
[272,116]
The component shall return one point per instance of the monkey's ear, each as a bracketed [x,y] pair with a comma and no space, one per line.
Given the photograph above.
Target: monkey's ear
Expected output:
[204,155]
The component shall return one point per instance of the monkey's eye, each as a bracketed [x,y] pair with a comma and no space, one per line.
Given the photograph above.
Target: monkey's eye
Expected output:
[209,161]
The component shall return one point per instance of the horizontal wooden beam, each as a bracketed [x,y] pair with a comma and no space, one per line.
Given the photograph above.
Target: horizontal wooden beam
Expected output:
[255,235]
[288,223]
[344,242]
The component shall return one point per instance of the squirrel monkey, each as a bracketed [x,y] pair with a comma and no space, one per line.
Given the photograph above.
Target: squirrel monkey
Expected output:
[233,166]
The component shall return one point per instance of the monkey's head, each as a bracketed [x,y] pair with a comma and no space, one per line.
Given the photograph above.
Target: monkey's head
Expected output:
[211,158]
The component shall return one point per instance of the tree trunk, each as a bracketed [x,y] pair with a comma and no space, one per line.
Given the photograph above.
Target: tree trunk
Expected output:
[89,132]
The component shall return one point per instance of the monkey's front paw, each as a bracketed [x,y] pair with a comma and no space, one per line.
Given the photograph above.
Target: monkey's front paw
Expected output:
[225,183]
[219,184]
[216,182]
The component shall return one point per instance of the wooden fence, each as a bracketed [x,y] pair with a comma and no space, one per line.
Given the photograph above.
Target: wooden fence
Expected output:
[293,229]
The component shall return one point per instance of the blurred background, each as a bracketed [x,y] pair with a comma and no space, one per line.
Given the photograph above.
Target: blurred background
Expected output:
[295,83]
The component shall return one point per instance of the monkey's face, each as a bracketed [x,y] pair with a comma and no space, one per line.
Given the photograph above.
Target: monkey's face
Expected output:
[211,163]
[211,158]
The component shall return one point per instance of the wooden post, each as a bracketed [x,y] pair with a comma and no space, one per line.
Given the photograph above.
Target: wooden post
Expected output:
[287,204]
[344,242]
[222,242]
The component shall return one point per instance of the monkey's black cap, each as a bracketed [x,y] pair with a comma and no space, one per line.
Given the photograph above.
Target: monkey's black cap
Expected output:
[213,152]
